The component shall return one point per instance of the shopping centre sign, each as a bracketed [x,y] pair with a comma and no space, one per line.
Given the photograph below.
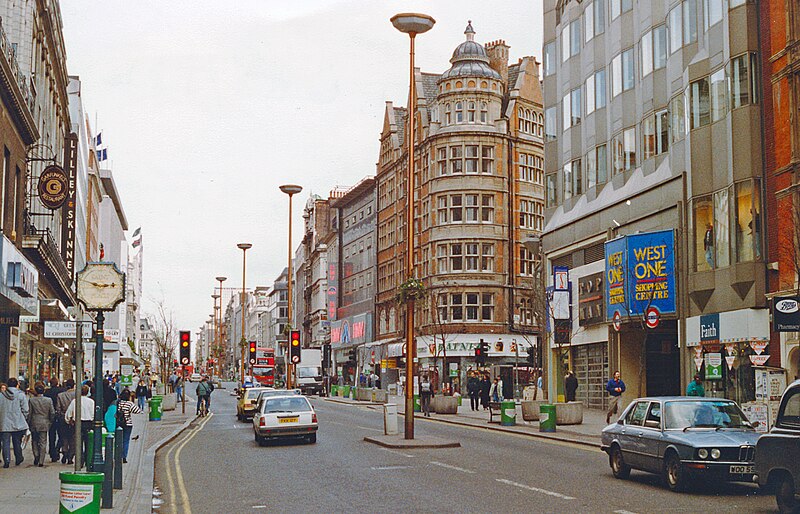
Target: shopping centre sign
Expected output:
[640,274]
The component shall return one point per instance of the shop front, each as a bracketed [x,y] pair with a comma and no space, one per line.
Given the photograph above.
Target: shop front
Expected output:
[19,288]
[349,338]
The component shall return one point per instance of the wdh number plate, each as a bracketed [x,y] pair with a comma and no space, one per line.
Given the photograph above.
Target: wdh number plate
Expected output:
[741,470]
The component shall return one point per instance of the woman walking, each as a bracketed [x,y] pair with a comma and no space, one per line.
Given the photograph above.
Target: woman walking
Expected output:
[125,407]
[485,386]
[142,393]
[40,418]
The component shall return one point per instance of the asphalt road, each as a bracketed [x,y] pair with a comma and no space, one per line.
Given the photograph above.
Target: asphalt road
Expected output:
[216,466]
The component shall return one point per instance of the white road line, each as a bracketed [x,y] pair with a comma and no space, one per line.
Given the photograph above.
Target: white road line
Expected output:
[535,489]
[448,466]
[397,452]
[384,468]
[259,506]
[370,428]
[623,512]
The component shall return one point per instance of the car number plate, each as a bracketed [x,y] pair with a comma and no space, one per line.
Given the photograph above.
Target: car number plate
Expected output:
[741,470]
[294,420]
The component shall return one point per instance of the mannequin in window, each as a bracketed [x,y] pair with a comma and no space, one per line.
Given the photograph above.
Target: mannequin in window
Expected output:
[708,245]
[755,231]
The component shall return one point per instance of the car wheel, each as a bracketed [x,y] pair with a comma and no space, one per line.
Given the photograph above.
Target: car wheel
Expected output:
[784,495]
[312,439]
[674,475]
[618,466]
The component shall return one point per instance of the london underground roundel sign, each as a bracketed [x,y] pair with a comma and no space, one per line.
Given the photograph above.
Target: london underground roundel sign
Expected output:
[652,317]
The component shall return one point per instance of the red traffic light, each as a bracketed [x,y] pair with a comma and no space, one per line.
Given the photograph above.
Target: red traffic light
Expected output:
[252,347]
[185,337]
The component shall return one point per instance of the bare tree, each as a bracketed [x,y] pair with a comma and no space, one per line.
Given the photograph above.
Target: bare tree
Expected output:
[789,250]
[165,342]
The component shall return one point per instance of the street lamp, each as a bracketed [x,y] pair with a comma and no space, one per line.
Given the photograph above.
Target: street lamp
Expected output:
[214,341]
[534,247]
[243,247]
[289,189]
[411,24]
[218,334]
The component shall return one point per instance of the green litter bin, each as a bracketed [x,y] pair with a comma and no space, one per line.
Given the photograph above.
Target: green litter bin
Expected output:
[80,492]
[334,389]
[90,446]
[459,401]
[346,392]
[547,418]
[508,413]
[155,408]
[417,405]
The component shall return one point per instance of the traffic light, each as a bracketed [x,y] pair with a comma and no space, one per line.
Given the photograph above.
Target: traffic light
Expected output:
[326,356]
[531,356]
[294,346]
[352,356]
[252,352]
[481,352]
[185,348]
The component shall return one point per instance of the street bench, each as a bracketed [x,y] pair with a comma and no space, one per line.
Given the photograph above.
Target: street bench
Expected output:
[494,410]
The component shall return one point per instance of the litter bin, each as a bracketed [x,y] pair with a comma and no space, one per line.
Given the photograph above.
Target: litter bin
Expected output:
[508,413]
[90,446]
[547,418]
[80,492]
[390,418]
[334,389]
[346,392]
[155,408]
[417,405]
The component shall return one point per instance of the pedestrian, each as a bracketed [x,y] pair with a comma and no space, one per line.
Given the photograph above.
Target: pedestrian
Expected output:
[210,390]
[178,385]
[125,407]
[66,430]
[485,388]
[54,440]
[474,390]
[425,395]
[171,380]
[570,386]
[202,391]
[13,423]
[116,385]
[41,415]
[142,393]
[109,396]
[695,387]
[86,414]
[615,388]
[496,391]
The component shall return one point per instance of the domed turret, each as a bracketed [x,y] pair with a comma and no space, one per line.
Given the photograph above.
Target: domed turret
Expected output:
[469,59]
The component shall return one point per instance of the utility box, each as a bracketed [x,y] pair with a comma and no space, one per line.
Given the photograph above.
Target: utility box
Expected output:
[390,418]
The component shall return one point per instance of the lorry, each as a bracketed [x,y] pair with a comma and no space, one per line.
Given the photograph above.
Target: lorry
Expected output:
[309,371]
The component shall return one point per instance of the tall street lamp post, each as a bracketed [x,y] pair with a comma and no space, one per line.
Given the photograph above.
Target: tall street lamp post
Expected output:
[214,342]
[218,334]
[411,24]
[243,342]
[289,189]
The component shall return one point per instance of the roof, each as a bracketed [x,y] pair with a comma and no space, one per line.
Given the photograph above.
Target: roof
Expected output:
[470,59]
[399,119]
[513,74]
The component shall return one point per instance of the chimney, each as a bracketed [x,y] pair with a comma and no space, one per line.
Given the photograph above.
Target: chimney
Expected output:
[498,59]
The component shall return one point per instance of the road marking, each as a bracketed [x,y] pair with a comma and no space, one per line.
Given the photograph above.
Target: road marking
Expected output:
[448,466]
[384,468]
[623,512]
[397,452]
[259,506]
[369,428]
[535,489]
[181,485]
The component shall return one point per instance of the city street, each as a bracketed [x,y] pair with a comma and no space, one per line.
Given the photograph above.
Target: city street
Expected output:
[215,466]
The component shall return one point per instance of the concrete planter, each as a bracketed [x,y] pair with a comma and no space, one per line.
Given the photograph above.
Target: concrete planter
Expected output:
[569,413]
[444,404]
[170,402]
[380,396]
[530,409]
[363,394]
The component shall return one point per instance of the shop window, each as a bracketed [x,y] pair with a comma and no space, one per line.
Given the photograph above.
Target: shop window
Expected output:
[722,230]
[748,223]
[704,239]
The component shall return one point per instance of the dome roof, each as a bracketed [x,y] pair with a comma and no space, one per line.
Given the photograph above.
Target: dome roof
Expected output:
[469,59]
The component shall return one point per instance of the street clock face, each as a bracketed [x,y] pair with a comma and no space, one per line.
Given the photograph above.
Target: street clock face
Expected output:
[101,286]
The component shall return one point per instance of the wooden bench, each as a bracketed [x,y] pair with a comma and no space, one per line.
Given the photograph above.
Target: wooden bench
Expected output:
[494,410]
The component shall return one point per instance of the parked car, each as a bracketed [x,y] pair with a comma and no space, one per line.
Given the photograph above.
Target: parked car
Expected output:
[246,405]
[285,417]
[778,453]
[682,438]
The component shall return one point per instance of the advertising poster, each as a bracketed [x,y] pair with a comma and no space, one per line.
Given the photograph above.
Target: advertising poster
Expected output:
[713,366]
[615,279]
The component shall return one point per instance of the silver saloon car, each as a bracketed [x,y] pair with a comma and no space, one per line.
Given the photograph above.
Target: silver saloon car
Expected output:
[682,438]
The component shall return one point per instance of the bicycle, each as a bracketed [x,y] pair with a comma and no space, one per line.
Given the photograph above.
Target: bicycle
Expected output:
[202,407]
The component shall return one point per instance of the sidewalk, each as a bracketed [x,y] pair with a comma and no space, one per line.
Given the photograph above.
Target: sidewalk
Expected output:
[29,489]
[587,433]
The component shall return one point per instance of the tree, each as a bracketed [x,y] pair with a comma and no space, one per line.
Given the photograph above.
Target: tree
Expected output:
[165,342]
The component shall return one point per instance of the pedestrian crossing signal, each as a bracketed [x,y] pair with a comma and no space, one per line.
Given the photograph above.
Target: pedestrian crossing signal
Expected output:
[294,346]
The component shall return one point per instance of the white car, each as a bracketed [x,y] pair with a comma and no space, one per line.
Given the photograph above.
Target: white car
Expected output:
[290,416]
[196,377]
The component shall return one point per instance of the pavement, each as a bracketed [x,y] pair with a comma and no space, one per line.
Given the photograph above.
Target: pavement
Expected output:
[587,433]
[30,489]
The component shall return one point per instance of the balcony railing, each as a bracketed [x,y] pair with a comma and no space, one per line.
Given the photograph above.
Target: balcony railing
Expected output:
[10,52]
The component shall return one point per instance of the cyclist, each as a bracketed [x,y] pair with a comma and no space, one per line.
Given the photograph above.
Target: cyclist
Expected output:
[203,391]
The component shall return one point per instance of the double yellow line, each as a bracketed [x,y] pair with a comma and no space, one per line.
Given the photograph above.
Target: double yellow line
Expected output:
[176,452]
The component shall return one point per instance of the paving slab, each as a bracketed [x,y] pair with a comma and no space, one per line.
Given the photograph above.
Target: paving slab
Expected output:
[399,442]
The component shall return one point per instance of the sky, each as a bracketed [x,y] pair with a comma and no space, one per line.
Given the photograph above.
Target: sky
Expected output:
[207,107]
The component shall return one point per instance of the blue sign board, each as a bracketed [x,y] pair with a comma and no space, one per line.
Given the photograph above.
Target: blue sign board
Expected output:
[640,274]
[709,328]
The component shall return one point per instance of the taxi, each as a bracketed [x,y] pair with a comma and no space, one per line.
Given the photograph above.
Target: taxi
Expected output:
[246,405]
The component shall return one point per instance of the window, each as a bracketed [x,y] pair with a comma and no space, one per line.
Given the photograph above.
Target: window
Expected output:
[599,16]
[675,30]
[677,118]
[526,214]
[549,58]
[471,208]
[484,112]
[646,46]
[441,160]
[472,256]
[573,180]
[487,257]
[588,21]
[566,111]
[487,208]
[627,69]
[456,211]
[471,112]
[655,134]
[487,159]
[575,37]
[659,47]
[441,259]
[747,222]
[722,229]
[552,188]
[565,43]
[600,89]
[469,306]
[703,216]
[620,6]
[596,168]
[550,123]
[441,212]
[526,262]
[456,163]
[459,112]
[713,12]
[616,75]
[624,148]
[471,160]
[698,103]
[447,114]
[589,95]
[456,257]
[576,103]
[719,98]
[741,81]
[689,21]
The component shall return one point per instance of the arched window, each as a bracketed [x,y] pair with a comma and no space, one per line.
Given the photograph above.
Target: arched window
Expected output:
[471,112]
[447,115]
[484,112]
[521,119]
[528,127]
[459,112]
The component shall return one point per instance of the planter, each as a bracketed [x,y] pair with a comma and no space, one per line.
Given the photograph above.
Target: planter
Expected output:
[569,413]
[444,404]
[530,409]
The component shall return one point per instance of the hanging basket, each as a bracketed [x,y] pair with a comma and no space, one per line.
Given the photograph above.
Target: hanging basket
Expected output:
[411,290]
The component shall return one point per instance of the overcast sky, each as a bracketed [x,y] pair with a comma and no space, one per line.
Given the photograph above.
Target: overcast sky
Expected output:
[207,107]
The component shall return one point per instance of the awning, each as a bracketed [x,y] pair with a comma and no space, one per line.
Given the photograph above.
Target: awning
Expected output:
[743,325]
[396,350]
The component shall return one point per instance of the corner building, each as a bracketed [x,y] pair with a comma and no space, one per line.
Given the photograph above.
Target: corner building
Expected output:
[479,194]
[652,123]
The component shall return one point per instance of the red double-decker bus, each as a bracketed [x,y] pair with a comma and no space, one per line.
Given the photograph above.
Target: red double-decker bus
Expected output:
[264,369]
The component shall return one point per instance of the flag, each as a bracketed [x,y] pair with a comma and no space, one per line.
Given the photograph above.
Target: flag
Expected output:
[137,242]
[136,232]
[99,139]
[102,154]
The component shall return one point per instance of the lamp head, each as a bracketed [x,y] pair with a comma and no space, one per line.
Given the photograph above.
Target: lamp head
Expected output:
[412,23]
[222,279]
[244,246]
[215,296]
[291,189]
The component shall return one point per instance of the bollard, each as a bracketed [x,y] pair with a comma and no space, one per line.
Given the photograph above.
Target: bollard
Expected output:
[118,442]
[108,479]
[89,451]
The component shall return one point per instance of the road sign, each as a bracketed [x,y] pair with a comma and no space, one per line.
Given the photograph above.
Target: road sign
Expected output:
[652,317]
[66,330]
[617,321]
[185,360]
